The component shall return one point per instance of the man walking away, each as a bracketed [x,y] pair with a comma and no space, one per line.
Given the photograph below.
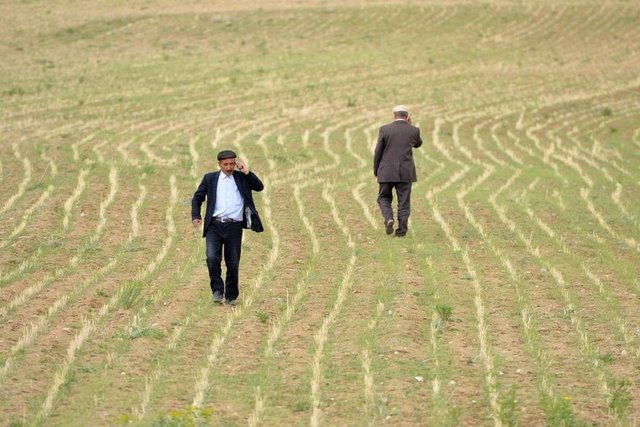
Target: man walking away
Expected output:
[394,167]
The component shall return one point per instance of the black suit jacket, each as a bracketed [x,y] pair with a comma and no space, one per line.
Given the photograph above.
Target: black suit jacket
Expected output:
[208,188]
[393,157]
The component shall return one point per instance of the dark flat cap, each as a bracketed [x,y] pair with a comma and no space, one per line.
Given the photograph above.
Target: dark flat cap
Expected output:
[226,154]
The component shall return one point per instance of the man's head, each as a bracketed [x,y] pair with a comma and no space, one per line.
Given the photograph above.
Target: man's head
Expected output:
[400,112]
[227,161]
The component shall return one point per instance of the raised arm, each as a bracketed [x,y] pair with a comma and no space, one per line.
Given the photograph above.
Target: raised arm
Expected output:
[254,182]
[418,140]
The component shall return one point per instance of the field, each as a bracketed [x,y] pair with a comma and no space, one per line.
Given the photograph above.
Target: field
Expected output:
[513,300]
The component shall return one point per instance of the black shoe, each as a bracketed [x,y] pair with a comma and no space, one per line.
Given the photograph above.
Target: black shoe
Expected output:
[388,226]
[217,297]
[232,301]
[402,228]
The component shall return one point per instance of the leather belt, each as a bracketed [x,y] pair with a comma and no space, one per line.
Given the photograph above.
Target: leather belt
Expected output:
[224,220]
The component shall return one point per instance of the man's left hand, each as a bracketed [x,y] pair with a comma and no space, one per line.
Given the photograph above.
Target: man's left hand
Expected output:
[242,167]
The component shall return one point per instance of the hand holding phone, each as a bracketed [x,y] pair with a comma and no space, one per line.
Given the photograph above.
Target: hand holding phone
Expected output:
[242,167]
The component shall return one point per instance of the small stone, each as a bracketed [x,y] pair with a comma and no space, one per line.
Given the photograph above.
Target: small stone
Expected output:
[419,379]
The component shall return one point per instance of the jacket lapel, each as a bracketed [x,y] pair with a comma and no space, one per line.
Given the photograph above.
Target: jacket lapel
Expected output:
[239,183]
[214,189]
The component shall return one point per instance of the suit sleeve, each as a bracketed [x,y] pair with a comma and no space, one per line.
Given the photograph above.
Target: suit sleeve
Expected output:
[377,155]
[418,139]
[254,182]
[198,197]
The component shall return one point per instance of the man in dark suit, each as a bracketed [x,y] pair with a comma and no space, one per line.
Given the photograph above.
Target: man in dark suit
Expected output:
[230,208]
[394,167]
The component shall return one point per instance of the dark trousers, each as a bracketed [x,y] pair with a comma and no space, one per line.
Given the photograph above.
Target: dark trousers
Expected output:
[385,198]
[227,236]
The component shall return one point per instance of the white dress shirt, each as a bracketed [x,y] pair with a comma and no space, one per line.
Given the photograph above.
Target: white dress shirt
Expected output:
[229,203]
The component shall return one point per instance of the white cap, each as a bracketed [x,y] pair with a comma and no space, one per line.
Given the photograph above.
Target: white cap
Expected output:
[400,109]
